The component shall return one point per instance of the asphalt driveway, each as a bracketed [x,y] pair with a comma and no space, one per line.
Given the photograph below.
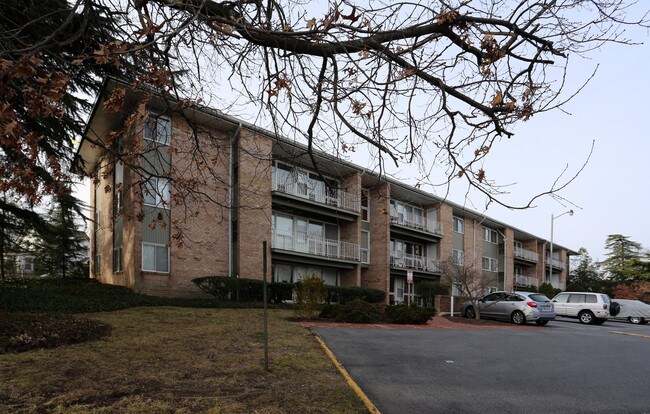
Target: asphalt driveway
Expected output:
[564,367]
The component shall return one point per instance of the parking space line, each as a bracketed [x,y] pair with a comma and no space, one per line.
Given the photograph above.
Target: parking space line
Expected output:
[352,383]
[630,334]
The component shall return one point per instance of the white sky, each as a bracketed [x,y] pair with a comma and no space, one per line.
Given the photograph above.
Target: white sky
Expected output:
[612,194]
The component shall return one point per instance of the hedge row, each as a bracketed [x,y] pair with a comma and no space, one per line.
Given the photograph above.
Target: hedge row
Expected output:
[224,288]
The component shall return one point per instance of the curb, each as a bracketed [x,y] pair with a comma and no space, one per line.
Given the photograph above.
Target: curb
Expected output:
[362,395]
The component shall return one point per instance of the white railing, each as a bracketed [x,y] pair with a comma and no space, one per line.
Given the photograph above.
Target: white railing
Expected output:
[558,285]
[526,281]
[321,195]
[317,246]
[556,263]
[411,261]
[417,222]
[526,255]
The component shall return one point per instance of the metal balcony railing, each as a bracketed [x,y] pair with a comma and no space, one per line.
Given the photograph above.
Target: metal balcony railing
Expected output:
[411,261]
[321,195]
[317,246]
[559,264]
[526,255]
[417,222]
[526,281]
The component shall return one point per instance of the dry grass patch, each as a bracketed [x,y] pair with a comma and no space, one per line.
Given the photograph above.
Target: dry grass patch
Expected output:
[179,360]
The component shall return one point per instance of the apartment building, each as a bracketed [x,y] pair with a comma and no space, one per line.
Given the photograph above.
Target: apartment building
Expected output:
[182,204]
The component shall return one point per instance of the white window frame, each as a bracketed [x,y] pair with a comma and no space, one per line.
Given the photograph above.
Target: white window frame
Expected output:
[458,225]
[159,121]
[490,235]
[365,209]
[160,189]
[458,257]
[492,264]
[155,245]
[118,260]
[365,251]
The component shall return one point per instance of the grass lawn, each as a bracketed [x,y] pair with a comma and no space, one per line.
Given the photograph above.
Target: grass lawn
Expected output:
[179,360]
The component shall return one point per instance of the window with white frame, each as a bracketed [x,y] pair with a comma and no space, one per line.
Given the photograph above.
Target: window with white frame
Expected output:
[365,205]
[490,235]
[490,264]
[158,129]
[458,257]
[458,225]
[365,246]
[156,192]
[519,271]
[118,265]
[155,257]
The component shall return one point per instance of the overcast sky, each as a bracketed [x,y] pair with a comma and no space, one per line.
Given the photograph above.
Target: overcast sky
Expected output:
[611,195]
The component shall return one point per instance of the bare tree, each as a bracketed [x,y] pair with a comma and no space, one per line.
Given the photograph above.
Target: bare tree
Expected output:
[468,279]
[437,84]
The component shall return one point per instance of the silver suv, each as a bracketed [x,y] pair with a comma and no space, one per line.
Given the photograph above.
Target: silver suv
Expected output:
[589,308]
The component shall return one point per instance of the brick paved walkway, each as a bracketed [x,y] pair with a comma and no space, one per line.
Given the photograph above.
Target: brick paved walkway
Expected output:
[437,322]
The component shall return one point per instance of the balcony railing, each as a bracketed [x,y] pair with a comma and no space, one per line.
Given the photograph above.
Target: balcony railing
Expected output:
[417,222]
[411,261]
[526,281]
[317,246]
[558,285]
[321,195]
[526,255]
[559,264]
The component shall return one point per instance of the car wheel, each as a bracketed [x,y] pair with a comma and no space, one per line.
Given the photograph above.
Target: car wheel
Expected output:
[586,317]
[518,318]
[599,321]
[470,312]
[614,308]
[636,320]
[541,323]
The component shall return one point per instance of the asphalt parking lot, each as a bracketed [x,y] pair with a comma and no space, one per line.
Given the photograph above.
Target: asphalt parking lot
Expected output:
[564,367]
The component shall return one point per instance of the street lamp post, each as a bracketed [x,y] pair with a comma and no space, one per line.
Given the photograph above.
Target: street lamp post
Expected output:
[550,254]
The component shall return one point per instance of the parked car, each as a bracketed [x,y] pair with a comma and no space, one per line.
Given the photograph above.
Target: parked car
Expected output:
[633,311]
[590,308]
[517,307]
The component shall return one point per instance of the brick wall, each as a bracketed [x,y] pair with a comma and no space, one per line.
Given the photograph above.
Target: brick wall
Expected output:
[377,276]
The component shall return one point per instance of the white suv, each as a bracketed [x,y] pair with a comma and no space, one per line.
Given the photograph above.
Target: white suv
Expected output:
[589,308]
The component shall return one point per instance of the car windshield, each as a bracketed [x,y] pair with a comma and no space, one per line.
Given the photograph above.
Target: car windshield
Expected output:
[539,298]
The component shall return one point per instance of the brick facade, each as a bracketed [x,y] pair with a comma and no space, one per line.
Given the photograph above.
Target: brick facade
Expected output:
[235,201]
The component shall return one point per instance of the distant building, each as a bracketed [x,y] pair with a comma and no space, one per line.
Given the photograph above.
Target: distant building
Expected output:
[347,225]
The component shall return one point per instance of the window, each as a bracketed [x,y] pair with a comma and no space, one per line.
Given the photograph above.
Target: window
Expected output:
[28,264]
[490,235]
[458,257]
[156,192]
[97,264]
[365,246]
[458,225]
[519,271]
[155,257]
[490,264]
[365,205]
[118,265]
[158,129]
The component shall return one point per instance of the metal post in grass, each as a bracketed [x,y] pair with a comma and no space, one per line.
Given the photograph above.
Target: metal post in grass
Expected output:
[266,316]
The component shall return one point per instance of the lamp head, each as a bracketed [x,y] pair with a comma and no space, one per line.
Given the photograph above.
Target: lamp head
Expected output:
[570,212]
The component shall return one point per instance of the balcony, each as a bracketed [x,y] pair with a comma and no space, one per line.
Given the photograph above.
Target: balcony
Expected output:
[527,255]
[319,195]
[316,246]
[417,223]
[411,261]
[558,264]
[526,281]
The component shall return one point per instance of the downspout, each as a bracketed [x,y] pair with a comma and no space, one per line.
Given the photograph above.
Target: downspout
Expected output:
[231,196]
